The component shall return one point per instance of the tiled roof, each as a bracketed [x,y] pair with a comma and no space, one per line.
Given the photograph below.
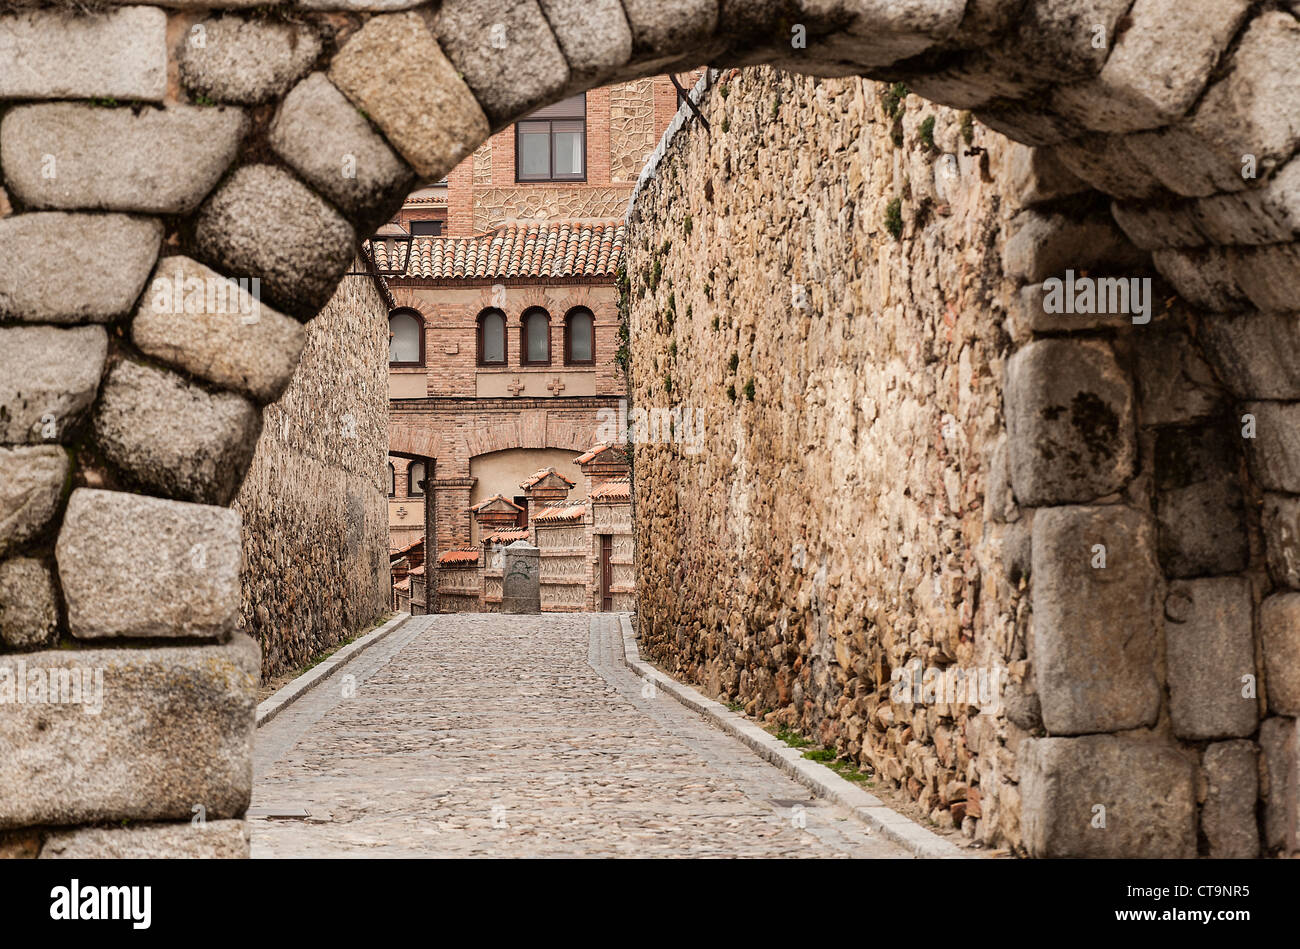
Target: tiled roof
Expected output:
[561,513]
[458,556]
[507,537]
[539,475]
[403,585]
[615,489]
[495,497]
[589,454]
[405,550]
[545,249]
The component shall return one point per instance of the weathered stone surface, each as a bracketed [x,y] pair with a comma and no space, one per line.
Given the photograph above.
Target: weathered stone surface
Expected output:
[234,340]
[1155,226]
[521,579]
[594,36]
[1210,650]
[1157,66]
[1200,509]
[29,608]
[395,72]
[156,731]
[1257,354]
[213,840]
[1175,385]
[320,134]
[1267,214]
[1055,39]
[22,844]
[1108,164]
[1274,452]
[1037,175]
[311,504]
[1281,790]
[662,31]
[248,61]
[376,6]
[1232,786]
[57,54]
[506,52]
[1030,311]
[973,80]
[1094,627]
[1280,523]
[172,437]
[48,378]
[1269,275]
[1279,633]
[158,161]
[1147,790]
[1202,278]
[137,566]
[74,268]
[31,486]
[1047,245]
[1069,410]
[264,223]
[1250,111]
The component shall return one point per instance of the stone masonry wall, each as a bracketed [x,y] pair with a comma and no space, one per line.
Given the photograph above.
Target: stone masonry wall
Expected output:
[314,503]
[201,142]
[839,286]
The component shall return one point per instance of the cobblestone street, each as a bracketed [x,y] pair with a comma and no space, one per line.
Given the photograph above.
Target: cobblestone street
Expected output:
[521,736]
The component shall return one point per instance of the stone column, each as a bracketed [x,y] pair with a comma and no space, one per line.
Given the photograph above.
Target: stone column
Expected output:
[521,588]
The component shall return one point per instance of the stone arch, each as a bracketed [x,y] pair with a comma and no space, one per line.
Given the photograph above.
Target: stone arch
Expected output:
[1163,116]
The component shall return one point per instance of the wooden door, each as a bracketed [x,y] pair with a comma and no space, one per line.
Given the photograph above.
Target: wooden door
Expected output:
[606,572]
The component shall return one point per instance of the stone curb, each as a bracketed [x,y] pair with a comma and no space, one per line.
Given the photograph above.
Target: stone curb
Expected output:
[300,686]
[820,780]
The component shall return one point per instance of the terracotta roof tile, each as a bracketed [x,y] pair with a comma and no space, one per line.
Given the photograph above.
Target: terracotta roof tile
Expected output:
[496,497]
[539,475]
[538,249]
[398,552]
[507,537]
[561,513]
[615,489]
[458,556]
[589,454]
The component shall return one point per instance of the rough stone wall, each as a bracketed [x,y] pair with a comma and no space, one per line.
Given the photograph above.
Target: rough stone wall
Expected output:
[840,287]
[314,504]
[833,525]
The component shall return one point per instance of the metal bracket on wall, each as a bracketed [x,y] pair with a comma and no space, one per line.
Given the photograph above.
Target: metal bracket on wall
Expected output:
[684,95]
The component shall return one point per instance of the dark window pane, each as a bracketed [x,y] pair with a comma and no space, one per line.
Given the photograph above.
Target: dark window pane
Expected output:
[538,348]
[569,150]
[580,342]
[534,150]
[405,343]
[494,338]
[426,228]
[416,472]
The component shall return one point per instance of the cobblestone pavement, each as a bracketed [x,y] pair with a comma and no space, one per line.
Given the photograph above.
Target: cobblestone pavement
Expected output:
[522,736]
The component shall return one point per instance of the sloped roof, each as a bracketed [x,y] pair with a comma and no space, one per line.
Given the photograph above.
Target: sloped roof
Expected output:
[458,557]
[507,537]
[538,249]
[562,513]
[495,497]
[539,475]
[615,489]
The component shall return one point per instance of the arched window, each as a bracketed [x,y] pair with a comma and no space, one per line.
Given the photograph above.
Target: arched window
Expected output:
[405,338]
[491,338]
[414,475]
[392,480]
[535,337]
[579,337]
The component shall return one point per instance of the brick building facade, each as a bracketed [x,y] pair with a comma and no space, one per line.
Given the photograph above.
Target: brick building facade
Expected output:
[505,331]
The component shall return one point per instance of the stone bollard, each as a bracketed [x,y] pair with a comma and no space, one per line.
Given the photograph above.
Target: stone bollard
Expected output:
[521,589]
